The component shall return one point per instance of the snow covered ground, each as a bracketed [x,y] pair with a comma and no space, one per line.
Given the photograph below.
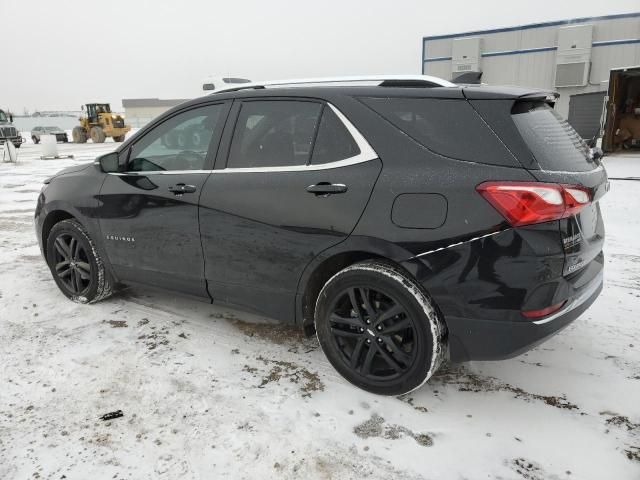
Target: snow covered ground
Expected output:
[212,393]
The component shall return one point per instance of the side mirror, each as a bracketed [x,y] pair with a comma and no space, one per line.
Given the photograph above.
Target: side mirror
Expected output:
[10,117]
[109,162]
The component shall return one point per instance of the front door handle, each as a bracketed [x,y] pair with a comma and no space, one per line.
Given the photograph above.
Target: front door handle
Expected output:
[325,189]
[181,188]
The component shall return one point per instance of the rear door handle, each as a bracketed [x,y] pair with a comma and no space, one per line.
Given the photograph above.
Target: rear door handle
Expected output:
[325,188]
[181,188]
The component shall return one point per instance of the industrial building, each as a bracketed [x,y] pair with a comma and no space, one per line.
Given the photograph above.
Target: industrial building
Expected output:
[574,57]
[140,111]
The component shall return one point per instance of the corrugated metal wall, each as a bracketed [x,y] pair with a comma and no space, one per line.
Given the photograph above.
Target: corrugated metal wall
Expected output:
[526,55]
[585,110]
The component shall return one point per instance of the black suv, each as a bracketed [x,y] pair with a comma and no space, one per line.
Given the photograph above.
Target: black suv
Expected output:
[400,219]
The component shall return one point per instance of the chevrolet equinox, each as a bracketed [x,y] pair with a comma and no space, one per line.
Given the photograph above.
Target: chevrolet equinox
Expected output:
[401,219]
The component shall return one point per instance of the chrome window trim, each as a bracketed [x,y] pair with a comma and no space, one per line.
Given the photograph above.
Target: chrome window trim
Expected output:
[298,168]
[157,172]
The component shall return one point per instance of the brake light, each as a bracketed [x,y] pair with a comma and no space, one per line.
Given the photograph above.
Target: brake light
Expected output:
[527,203]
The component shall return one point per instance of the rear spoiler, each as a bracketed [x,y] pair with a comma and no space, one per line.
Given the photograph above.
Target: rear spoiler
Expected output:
[509,93]
[547,97]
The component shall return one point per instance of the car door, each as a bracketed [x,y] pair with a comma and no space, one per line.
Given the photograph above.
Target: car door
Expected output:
[293,179]
[149,212]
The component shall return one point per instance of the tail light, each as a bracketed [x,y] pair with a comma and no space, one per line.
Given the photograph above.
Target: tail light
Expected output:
[527,203]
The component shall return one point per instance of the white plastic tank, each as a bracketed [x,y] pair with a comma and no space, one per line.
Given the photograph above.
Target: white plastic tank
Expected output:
[49,146]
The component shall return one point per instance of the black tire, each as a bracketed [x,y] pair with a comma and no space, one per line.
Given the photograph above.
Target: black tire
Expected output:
[35,139]
[97,135]
[79,135]
[119,139]
[403,351]
[71,249]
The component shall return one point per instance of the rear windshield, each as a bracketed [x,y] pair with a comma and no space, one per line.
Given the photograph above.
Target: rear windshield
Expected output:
[552,141]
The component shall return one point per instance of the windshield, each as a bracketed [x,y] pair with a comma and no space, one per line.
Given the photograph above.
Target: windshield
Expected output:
[51,129]
[3,117]
[553,142]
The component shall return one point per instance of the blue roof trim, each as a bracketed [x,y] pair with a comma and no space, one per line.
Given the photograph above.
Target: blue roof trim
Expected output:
[604,43]
[519,52]
[437,59]
[534,25]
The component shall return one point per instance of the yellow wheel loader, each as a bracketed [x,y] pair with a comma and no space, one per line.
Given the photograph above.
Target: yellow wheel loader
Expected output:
[97,123]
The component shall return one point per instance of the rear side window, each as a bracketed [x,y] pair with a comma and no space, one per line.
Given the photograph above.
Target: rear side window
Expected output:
[552,141]
[334,142]
[448,127]
[274,133]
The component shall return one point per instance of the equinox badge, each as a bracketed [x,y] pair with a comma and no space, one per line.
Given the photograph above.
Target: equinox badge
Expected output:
[121,238]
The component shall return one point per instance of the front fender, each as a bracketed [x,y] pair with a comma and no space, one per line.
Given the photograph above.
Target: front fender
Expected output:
[73,194]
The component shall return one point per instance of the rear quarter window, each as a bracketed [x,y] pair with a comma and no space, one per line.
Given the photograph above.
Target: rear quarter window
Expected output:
[451,128]
[333,141]
[553,142]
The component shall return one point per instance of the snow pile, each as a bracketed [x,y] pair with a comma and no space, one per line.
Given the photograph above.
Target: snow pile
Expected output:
[210,393]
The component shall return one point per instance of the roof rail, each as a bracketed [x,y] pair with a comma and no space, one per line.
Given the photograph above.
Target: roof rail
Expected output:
[378,80]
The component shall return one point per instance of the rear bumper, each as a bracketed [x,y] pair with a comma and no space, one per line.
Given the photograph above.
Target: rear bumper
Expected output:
[483,285]
[472,339]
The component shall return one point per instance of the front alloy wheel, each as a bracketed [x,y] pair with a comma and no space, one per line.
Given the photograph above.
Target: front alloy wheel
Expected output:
[72,263]
[75,263]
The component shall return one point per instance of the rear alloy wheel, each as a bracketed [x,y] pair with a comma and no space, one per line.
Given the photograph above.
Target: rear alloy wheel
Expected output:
[75,263]
[379,328]
[97,135]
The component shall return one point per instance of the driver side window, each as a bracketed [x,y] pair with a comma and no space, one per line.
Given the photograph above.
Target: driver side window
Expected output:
[180,143]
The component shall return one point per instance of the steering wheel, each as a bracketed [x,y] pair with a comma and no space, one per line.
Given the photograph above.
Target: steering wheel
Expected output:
[189,159]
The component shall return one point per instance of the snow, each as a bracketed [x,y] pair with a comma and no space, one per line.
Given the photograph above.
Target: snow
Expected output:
[214,393]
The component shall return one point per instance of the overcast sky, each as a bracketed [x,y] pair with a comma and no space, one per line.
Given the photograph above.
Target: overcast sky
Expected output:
[59,55]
